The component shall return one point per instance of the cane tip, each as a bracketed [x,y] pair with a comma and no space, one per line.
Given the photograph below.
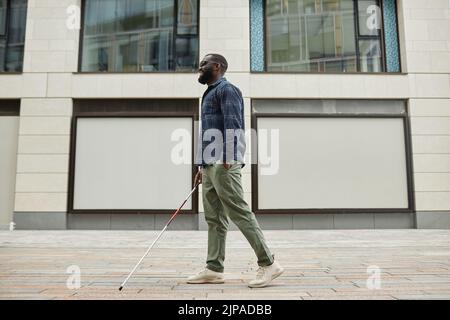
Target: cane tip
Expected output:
[120,289]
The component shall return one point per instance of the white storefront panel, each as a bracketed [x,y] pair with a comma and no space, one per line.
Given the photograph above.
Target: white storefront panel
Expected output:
[126,163]
[336,163]
[9,128]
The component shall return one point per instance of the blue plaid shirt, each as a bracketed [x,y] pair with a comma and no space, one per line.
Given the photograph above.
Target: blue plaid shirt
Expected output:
[222,110]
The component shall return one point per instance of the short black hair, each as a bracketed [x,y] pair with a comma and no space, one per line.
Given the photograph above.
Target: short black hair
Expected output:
[217,58]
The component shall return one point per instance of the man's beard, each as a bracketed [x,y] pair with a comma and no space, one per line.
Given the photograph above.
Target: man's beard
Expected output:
[205,77]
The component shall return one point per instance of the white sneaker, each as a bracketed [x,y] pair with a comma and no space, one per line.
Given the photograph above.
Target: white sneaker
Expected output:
[265,275]
[207,276]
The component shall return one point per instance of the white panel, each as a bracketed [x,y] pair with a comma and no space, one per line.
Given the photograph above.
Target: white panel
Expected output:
[9,131]
[125,163]
[336,163]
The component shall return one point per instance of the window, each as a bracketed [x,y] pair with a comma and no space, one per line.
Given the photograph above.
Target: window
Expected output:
[324,36]
[331,155]
[126,153]
[12,34]
[140,35]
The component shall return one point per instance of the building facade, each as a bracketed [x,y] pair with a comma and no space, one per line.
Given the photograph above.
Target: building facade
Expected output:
[99,110]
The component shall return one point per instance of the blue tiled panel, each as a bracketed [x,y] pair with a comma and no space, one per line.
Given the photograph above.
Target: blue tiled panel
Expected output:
[391,36]
[257,34]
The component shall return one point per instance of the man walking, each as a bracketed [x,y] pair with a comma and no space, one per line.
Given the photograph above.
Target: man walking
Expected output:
[221,152]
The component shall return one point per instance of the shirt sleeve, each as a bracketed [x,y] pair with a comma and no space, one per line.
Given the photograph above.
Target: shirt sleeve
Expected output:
[231,105]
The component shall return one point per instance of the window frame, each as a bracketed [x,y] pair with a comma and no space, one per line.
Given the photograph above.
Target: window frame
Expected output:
[357,38]
[130,108]
[408,158]
[175,17]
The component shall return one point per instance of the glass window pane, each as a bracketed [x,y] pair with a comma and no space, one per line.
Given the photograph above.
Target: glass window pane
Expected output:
[147,52]
[134,35]
[2,17]
[311,36]
[187,17]
[99,17]
[186,49]
[143,14]
[96,54]
[158,53]
[13,55]
[17,22]
[137,35]
[369,17]
[321,40]
[14,58]
[126,53]
[370,55]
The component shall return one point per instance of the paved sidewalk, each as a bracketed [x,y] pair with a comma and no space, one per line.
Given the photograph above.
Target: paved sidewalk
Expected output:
[413,264]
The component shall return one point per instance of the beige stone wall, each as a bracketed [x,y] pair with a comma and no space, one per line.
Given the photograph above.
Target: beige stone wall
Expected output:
[51,55]
[427,42]
[50,81]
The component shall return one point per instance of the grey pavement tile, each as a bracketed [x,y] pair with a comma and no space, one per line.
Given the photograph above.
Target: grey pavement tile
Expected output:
[319,264]
[422,297]
[351,298]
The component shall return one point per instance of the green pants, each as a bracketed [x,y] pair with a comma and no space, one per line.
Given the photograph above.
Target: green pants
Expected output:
[223,197]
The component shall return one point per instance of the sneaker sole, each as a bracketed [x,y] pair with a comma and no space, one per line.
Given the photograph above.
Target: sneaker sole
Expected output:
[216,281]
[276,275]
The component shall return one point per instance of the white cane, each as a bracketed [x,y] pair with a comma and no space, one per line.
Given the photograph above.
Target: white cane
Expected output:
[159,235]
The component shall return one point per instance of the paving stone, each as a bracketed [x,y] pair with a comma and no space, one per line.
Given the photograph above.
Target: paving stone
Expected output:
[331,264]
